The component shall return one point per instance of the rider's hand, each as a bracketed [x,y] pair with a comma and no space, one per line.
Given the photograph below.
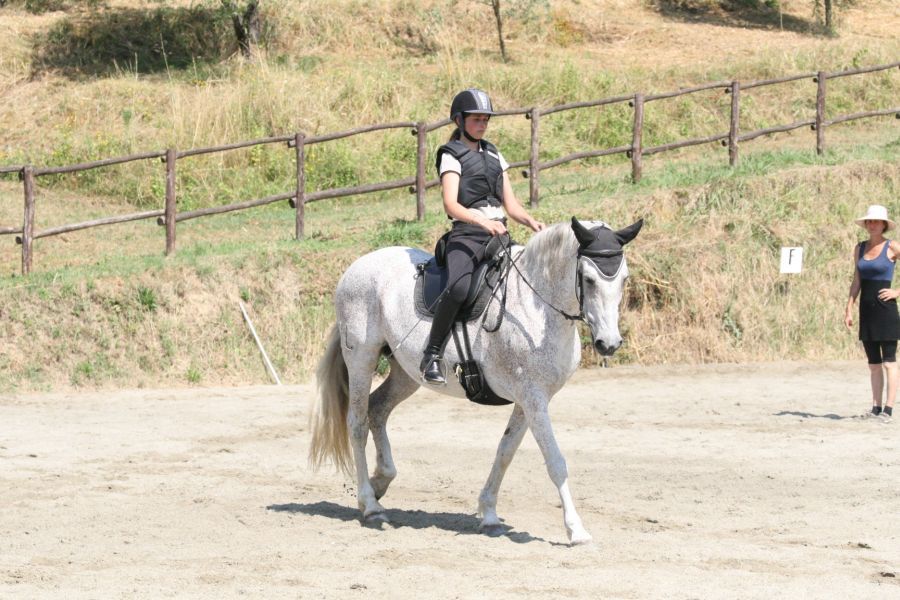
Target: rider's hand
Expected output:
[848,319]
[493,227]
[536,225]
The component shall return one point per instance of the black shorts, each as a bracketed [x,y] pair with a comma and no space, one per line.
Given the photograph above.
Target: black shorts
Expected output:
[881,352]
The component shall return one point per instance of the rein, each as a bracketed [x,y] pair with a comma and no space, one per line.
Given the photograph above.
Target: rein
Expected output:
[505,279]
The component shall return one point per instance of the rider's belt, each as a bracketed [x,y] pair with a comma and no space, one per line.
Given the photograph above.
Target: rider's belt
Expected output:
[489,201]
[461,227]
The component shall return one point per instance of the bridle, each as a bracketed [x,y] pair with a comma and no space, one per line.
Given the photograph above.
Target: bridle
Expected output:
[579,282]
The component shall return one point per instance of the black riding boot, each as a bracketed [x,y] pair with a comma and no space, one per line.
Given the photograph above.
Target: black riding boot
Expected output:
[444,315]
[431,366]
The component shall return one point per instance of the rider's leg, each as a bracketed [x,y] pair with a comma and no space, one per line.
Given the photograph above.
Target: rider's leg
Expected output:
[444,315]
[463,254]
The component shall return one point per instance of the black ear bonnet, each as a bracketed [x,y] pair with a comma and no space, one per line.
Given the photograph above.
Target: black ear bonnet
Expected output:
[603,246]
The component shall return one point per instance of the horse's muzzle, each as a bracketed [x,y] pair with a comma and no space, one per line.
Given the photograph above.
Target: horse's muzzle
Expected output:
[605,349]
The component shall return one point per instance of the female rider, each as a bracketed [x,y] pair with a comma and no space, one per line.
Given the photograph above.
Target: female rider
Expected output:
[475,188]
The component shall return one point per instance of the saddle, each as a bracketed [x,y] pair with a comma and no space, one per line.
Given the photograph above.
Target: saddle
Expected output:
[431,282]
[432,279]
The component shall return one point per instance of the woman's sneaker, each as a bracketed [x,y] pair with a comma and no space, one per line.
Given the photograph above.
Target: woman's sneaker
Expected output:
[870,415]
[885,418]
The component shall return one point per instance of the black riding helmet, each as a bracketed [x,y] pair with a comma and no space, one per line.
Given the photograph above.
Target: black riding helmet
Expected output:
[470,102]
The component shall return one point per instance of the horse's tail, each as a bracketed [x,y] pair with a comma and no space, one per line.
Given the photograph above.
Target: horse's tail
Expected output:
[328,420]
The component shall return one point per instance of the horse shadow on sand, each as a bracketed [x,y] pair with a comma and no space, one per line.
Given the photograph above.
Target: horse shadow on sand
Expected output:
[458,523]
[806,415]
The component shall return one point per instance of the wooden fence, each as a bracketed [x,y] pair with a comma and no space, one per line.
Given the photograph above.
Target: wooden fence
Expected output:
[418,184]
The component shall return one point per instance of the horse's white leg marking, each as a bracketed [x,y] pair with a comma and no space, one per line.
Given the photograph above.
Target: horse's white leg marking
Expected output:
[359,370]
[539,422]
[509,443]
[396,388]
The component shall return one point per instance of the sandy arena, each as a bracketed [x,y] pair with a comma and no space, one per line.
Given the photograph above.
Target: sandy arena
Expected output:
[696,482]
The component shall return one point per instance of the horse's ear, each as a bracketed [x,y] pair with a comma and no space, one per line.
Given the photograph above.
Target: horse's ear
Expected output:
[582,233]
[629,233]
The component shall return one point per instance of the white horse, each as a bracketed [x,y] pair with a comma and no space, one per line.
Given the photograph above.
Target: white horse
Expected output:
[562,273]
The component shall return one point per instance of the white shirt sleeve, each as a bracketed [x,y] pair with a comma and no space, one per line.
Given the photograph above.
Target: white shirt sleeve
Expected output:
[449,163]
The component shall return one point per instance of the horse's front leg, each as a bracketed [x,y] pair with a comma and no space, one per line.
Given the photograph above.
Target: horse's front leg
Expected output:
[539,421]
[509,443]
[360,381]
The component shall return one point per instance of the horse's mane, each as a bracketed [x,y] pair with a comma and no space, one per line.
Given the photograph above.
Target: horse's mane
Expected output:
[550,249]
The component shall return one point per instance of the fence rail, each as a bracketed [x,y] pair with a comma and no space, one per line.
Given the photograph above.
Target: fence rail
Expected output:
[691,90]
[168,216]
[96,164]
[788,79]
[149,214]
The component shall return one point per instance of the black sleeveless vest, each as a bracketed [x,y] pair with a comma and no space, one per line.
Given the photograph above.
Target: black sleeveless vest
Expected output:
[481,180]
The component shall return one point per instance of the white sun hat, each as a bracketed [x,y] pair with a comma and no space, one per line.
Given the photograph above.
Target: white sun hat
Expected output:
[876,212]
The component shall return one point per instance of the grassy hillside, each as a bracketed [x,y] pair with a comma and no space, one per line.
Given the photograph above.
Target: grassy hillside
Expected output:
[105,308]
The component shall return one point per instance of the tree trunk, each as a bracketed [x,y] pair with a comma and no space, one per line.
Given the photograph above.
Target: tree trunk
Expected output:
[496,5]
[829,17]
[246,28]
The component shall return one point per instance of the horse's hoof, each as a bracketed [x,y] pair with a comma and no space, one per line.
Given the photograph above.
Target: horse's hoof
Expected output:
[380,490]
[375,520]
[495,530]
[580,539]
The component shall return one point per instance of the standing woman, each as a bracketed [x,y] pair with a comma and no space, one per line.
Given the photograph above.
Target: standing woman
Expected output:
[475,189]
[879,323]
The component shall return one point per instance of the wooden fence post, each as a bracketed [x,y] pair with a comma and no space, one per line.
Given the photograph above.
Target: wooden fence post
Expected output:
[533,159]
[820,112]
[300,200]
[735,121]
[636,136]
[171,157]
[421,157]
[28,221]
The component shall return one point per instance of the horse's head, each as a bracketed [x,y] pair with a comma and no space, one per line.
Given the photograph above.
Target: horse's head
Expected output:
[602,271]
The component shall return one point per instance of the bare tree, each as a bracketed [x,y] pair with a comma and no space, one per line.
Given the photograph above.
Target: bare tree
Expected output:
[827,8]
[829,17]
[495,4]
[521,10]
[246,25]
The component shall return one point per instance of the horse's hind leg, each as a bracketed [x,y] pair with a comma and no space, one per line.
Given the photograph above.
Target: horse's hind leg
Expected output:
[395,389]
[509,443]
[361,363]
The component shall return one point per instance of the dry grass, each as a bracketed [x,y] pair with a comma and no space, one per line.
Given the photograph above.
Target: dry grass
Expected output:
[107,309]
[326,72]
